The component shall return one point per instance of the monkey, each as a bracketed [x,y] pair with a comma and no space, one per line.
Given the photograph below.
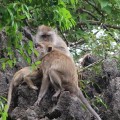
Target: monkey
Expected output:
[87,60]
[47,34]
[26,74]
[60,70]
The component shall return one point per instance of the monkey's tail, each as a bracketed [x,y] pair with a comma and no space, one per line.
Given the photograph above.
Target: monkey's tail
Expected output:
[84,101]
[9,96]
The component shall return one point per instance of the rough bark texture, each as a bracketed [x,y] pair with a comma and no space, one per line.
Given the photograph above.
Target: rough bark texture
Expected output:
[106,85]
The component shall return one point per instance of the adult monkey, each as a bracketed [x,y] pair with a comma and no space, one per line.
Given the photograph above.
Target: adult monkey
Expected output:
[47,34]
[60,70]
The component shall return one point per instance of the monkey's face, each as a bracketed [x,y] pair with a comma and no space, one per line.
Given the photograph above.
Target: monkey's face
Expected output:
[43,48]
[45,34]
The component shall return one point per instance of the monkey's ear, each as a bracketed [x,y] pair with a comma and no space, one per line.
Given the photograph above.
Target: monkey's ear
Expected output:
[50,48]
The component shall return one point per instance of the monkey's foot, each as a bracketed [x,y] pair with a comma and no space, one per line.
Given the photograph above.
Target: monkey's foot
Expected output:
[36,103]
[56,95]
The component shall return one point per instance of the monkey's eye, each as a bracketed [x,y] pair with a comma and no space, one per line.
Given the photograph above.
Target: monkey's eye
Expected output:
[45,36]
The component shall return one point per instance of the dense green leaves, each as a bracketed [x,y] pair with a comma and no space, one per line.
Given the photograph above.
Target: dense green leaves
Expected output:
[17,14]
[77,18]
[3,109]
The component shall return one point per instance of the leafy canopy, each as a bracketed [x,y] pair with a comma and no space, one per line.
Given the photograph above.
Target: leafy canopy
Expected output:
[76,18]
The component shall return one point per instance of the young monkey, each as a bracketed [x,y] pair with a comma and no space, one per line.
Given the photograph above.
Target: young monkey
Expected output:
[60,70]
[26,74]
[87,60]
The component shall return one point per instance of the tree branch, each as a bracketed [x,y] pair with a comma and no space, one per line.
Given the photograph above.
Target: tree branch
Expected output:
[91,65]
[99,23]
[28,34]
[104,26]
[80,42]
[88,12]
[63,36]
[96,8]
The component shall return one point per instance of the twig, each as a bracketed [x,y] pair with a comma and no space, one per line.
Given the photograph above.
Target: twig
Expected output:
[105,26]
[96,8]
[91,65]
[89,13]
[80,42]
[92,22]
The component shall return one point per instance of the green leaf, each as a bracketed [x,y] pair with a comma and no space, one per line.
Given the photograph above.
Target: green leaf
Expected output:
[31,44]
[37,62]
[11,14]
[15,26]
[20,36]
[4,116]
[1,27]
[36,52]
[60,2]
[107,9]
[30,1]
[104,3]
[3,66]
[29,51]
[29,60]
[72,2]
[10,62]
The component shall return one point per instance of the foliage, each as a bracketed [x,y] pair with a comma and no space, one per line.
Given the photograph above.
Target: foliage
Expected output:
[97,30]
[3,107]
[16,14]
[101,102]
[76,18]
